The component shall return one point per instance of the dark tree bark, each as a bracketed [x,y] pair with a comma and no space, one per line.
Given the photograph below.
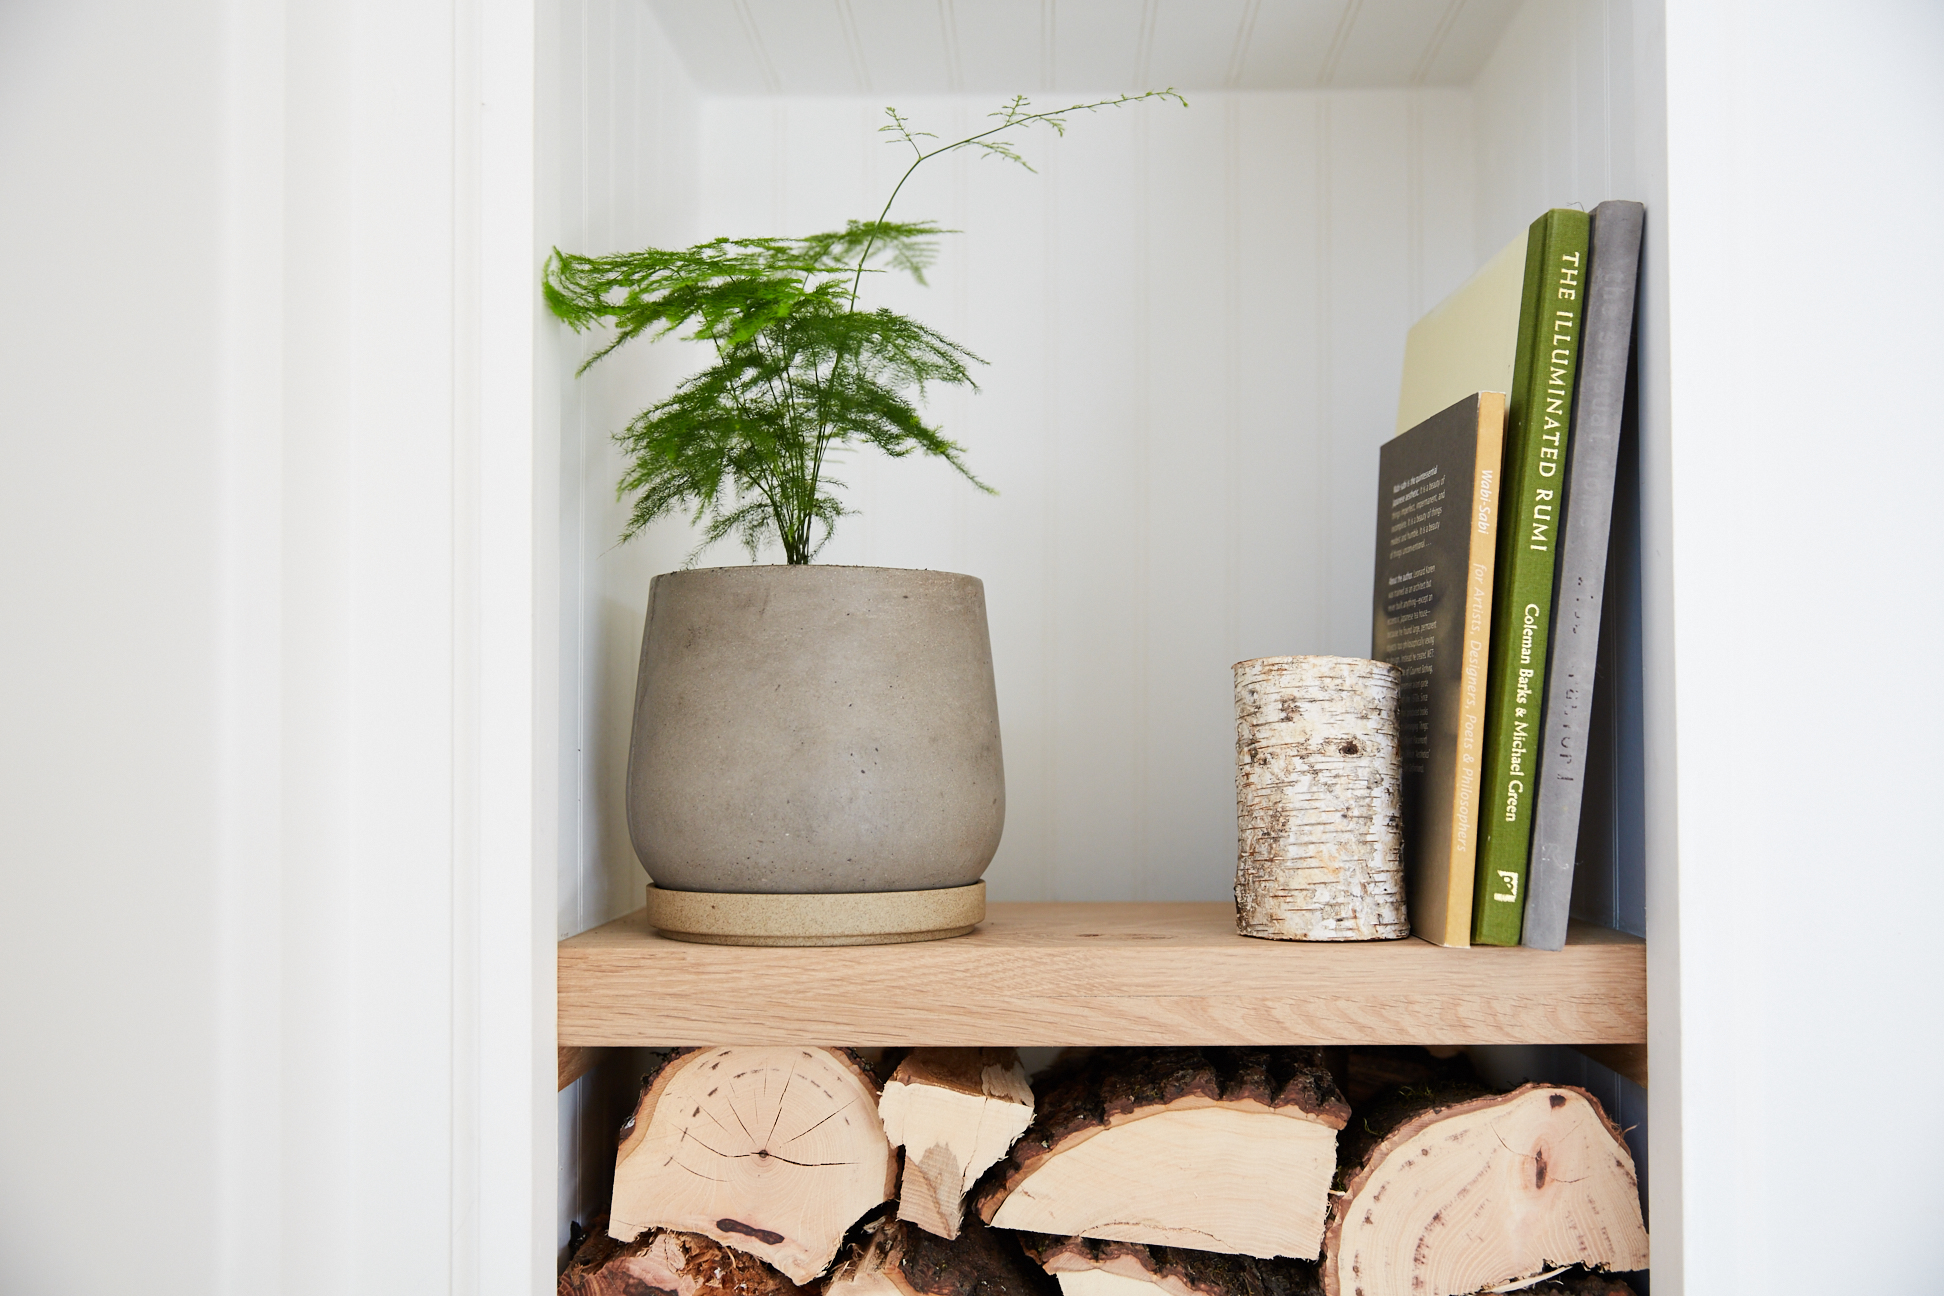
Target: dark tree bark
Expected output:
[1175,1271]
[897,1258]
[1581,1282]
[664,1263]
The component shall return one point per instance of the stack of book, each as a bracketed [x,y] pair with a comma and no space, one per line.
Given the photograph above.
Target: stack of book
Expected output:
[1494,504]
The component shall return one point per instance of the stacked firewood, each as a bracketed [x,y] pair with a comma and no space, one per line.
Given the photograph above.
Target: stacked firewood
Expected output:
[759,1171]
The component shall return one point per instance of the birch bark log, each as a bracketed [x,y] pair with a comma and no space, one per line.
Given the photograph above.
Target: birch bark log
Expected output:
[1319,831]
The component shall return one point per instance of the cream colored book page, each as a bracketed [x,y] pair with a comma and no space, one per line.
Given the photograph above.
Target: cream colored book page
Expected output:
[1467,342]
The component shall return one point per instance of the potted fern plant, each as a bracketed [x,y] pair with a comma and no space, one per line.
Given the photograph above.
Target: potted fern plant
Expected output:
[815,755]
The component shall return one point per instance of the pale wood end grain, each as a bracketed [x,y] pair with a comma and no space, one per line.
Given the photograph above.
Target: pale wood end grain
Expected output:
[1037,975]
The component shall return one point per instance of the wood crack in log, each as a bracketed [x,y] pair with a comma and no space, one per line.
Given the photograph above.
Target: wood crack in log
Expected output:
[1455,1190]
[791,1211]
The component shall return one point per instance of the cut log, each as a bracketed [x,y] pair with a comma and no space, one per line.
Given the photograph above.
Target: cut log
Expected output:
[899,1259]
[1214,1150]
[773,1151]
[954,1111]
[666,1263]
[1460,1191]
[1092,1267]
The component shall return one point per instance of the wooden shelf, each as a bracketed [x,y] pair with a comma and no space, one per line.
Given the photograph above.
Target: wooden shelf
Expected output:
[1099,974]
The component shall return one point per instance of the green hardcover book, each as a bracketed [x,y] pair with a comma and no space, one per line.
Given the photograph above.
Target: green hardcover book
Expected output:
[1537,428]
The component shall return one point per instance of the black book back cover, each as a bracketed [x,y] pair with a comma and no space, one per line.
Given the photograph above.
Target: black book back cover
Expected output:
[1434,495]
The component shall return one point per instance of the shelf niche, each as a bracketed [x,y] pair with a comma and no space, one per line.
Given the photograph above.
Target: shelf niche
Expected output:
[1195,321]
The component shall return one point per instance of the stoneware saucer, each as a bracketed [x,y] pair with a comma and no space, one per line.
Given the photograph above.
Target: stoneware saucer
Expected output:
[844,918]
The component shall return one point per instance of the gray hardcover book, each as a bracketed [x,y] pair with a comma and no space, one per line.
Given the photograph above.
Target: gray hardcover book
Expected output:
[1593,458]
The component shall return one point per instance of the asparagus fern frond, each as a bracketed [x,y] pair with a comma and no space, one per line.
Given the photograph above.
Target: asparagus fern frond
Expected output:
[801,373]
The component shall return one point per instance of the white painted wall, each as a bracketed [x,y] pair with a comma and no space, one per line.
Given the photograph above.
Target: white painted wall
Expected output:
[111,695]
[274,984]
[622,172]
[999,48]
[1805,158]
[618,115]
[1556,112]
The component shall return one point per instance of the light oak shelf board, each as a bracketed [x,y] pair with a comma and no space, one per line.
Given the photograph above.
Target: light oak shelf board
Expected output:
[1098,974]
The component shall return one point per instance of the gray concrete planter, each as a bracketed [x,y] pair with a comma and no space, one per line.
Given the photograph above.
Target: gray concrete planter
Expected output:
[815,730]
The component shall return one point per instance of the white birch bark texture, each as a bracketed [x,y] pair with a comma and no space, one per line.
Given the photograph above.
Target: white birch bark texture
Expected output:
[1319,829]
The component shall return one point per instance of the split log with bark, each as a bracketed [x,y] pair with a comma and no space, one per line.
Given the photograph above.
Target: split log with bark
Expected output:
[773,1151]
[1093,1267]
[667,1263]
[897,1258]
[1453,1192]
[954,1111]
[1211,1149]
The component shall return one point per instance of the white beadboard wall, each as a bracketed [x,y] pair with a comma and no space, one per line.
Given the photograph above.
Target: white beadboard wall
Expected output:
[1575,58]
[619,116]
[624,175]
[1194,320]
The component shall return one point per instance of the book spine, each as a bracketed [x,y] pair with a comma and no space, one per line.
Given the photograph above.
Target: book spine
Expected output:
[1606,340]
[1482,561]
[1537,438]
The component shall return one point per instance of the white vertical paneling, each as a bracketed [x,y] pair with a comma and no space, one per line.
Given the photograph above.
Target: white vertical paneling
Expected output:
[249,896]
[1555,116]
[622,147]
[1186,587]
[620,137]
[1442,154]
[510,600]
[1280,374]
[114,440]
[1093,470]
[277,650]
[1364,296]
[1194,321]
